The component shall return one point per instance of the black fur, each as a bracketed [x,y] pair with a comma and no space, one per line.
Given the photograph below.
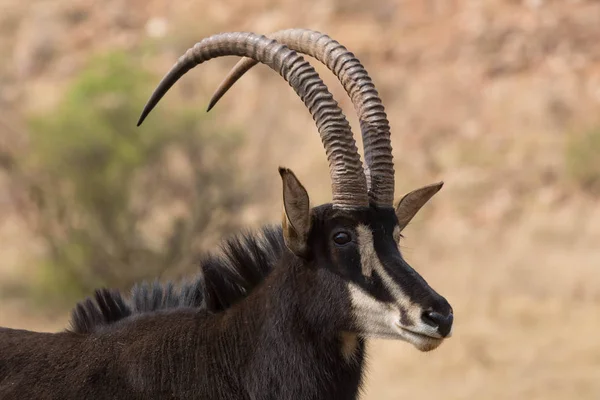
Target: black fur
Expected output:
[186,352]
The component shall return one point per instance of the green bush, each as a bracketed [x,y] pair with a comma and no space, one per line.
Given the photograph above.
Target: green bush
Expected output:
[583,160]
[115,203]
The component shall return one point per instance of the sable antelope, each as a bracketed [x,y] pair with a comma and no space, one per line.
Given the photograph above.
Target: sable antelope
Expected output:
[282,314]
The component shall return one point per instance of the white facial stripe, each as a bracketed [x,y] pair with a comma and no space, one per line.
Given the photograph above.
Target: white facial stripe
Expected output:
[380,319]
[368,256]
[370,262]
[372,315]
[377,319]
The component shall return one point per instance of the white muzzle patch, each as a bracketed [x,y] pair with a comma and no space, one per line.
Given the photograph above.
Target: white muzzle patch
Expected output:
[376,318]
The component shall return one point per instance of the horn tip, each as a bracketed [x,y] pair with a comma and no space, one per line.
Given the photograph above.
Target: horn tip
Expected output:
[141,120]
[215,98]
[211,104]
[146,111]
[437,186]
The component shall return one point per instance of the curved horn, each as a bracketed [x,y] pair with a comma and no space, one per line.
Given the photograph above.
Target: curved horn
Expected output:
[348,180]
[375,127]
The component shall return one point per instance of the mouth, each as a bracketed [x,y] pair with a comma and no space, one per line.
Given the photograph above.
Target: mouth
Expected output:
[419,334]
[422,341]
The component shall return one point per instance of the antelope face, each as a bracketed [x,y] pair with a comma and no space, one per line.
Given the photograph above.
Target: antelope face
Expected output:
[360,250]
[389,298]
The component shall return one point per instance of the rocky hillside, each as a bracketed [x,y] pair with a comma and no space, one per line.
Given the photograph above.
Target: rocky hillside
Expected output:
[484,90]
[499,98]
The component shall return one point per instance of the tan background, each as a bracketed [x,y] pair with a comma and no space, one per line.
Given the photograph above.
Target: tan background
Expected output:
[483,94]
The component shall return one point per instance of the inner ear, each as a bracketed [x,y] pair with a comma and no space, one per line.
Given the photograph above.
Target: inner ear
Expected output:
[412,202]
[296,204]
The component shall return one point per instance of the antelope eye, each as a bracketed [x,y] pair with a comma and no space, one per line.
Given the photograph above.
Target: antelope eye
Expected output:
[342,238]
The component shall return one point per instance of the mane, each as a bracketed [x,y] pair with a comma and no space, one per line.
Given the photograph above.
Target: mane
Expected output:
[224,280]
[108,307]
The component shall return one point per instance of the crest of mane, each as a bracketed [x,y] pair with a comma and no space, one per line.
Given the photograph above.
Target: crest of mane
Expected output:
[224,279]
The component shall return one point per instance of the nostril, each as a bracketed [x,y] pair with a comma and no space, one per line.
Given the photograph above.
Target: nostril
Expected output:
[443,323]
[431,318]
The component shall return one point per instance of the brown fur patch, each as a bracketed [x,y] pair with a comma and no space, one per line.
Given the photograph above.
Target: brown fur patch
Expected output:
[397,234]
[349,342]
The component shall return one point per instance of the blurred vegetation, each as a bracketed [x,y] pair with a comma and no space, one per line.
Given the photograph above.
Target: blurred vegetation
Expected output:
[115,203]
[583,161]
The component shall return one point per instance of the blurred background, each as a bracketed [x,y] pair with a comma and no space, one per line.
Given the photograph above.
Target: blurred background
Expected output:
[498,98]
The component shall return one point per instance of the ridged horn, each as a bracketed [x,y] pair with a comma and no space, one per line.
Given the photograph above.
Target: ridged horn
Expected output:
[374,125]
[348,180]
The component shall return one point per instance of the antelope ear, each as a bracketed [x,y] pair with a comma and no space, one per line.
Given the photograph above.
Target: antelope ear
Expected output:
[412,202]
[296,220]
